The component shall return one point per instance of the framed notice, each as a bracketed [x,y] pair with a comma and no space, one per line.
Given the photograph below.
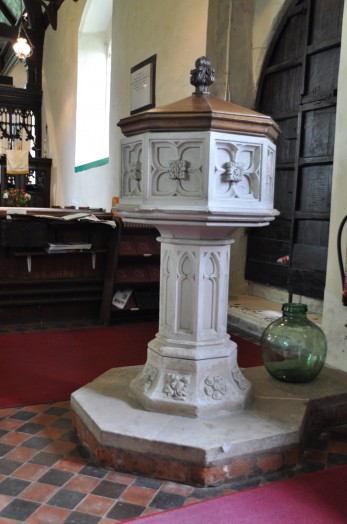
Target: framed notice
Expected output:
[142,85]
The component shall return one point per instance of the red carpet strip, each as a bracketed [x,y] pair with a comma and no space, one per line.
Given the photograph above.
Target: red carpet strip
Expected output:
[314,498]
[48,366]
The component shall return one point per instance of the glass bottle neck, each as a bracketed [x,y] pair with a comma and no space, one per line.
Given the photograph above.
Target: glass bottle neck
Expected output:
[294,310]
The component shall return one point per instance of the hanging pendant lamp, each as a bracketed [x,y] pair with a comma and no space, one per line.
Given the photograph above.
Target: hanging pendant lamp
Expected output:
[22,47]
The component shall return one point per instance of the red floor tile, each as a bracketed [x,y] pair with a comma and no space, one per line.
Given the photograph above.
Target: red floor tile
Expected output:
[39,492]
[29,472]
[82,483]
[48,515]
[95,505]
[138,495]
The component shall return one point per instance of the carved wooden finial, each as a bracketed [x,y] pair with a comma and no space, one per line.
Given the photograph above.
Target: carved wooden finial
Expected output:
[202,76]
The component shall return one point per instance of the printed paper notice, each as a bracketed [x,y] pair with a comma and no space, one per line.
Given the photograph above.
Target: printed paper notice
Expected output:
[140,84]
[121,297]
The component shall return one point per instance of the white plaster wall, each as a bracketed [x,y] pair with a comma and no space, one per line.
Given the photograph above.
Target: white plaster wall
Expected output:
[59,82]
[19,75]
[334,313]
[175,30]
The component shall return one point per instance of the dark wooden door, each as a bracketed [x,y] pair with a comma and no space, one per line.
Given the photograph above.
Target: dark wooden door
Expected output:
[298,88]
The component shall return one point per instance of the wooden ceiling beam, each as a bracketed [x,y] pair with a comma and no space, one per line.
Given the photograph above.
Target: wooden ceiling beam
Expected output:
[7,32]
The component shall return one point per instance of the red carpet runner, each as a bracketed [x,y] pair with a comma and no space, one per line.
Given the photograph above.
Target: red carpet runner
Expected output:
[314,498]
[48,366]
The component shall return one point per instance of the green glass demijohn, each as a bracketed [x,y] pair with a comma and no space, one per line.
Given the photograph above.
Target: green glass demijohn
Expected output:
[293,348]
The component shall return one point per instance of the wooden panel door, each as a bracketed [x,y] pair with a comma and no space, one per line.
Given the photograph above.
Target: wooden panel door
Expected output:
[298,88]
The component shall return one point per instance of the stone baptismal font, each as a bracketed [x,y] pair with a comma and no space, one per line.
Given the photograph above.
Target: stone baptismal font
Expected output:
[196,170]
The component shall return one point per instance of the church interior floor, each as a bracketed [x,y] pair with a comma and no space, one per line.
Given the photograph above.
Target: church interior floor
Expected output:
[47,477]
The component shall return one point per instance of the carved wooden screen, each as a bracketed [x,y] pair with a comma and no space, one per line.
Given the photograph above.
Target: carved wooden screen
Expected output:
[20,119]
[298,89]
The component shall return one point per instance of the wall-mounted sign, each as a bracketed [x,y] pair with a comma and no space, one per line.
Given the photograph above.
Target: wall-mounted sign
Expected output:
[142,85]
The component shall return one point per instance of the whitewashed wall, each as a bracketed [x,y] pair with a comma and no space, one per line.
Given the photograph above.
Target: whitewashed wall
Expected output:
[175,30]
[334,313]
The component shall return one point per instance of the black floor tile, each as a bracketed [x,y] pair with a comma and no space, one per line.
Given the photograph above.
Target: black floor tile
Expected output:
[148,482]
[37,442]
[109,489]
[30,427]
[81,518]
[66,498]
[62,423]
[19,509]
[45,458]
[22,415]
[125,511]
[56,410]
[55,477]
[93,471]
[12,486]
[5,448]
[8,466]
[164,500]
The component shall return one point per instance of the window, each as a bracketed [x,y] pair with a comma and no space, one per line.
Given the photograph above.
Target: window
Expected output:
[93,86]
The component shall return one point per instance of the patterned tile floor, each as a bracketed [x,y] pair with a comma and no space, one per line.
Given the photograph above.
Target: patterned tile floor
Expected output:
[46,477]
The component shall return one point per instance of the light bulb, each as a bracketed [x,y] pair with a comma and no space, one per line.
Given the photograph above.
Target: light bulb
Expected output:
[22,48]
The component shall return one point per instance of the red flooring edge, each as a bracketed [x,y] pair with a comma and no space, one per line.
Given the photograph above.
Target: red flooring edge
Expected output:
[317,498]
